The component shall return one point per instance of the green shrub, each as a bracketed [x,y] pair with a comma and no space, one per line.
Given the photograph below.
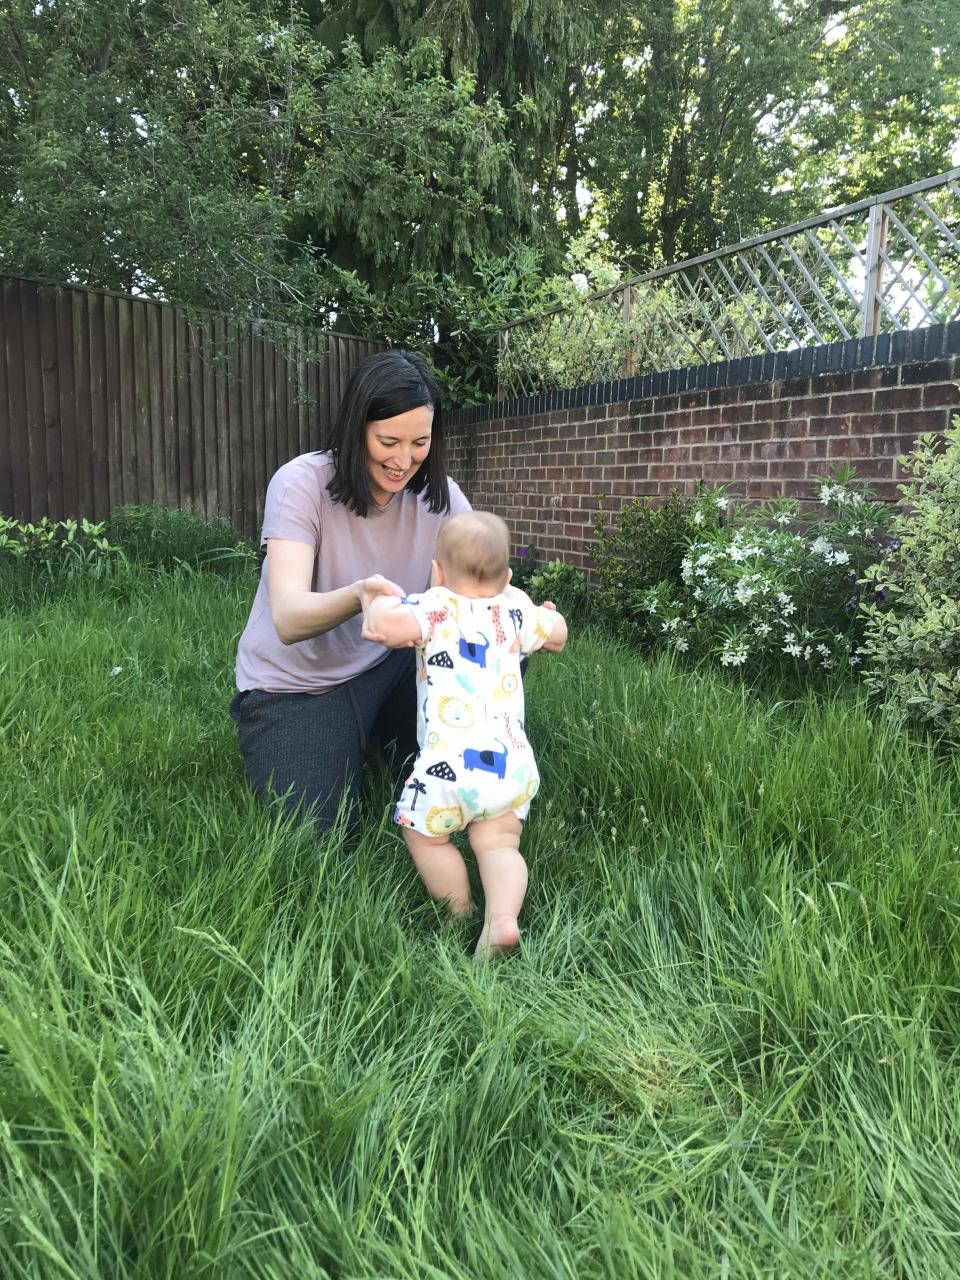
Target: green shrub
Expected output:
[523,566]
[644,546]
[59,549]
[911,643]
[165,539]
[565,585]
[767,588]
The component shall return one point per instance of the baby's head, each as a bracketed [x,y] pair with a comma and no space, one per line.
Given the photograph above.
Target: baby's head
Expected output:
[473,554]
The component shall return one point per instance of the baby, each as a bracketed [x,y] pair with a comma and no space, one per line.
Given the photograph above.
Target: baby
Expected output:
[475,769]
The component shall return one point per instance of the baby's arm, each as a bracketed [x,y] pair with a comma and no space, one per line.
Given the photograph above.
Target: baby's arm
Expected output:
[558,632]
[389,621]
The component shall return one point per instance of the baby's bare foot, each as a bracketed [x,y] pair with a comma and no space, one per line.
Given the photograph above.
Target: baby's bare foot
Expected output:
[501,934]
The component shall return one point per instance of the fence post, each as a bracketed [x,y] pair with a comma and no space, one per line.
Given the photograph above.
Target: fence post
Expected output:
[873,280]
[630,363]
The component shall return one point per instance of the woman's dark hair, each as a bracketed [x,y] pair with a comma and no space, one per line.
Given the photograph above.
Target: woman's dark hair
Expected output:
[383,386]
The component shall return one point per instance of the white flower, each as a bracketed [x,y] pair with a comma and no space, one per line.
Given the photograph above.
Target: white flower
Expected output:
[116,671]
[823,650]
[723,503]
[762,629]
[821,547]
[807,652]
[793,649]
[840,557]
[681,644]
[744,593]
[789,608]
[697,593]
[733,657]
[698,517]
[789,637]
[853,532]
[868,533]
[736,553]
[853,659]
[783,518]
[826,493]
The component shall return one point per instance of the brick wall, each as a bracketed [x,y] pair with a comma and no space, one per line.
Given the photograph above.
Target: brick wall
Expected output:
[544,471]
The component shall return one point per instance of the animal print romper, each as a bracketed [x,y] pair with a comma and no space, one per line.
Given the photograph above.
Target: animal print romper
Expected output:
[475,761]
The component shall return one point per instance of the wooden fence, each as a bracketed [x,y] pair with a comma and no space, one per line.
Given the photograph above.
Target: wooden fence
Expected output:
[107,400]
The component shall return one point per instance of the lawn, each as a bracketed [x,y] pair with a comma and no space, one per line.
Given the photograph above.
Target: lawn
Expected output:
[728,1047]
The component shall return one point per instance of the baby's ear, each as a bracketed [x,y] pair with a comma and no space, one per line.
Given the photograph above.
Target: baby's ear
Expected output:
[509,576]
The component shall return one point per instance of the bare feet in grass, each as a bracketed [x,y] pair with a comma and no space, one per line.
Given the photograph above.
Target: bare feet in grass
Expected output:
[500,935]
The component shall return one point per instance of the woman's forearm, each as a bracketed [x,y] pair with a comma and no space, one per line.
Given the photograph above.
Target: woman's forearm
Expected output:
[300,615]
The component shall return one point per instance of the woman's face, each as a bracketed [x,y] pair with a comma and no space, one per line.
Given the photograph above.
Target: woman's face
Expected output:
[395,449]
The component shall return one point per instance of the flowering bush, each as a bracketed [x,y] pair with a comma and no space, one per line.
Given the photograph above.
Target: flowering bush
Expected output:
[767,586]
[911,643]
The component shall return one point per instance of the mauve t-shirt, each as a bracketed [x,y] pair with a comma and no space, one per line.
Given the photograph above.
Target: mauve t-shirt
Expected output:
[397,540]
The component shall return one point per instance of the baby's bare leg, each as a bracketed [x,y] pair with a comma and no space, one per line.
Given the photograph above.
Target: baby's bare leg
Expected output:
[496,843]
[441,869]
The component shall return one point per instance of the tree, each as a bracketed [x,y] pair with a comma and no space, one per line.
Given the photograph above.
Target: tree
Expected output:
[705,123]
[181,148]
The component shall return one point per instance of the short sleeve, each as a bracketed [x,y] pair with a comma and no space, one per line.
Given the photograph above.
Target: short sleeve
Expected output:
[536,626]
[291,509]
[430,608]
[458,499]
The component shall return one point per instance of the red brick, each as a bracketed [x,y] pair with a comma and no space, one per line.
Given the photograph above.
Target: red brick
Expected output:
[750,469]
[664,438]
[661,470]
[754,391]
[831,382]
[679,418]
[809,448]
[810,407]
[923,420]
[723,395]
[772,449]
[705,452]
[677,453]
[737,413]
[635,471]
[888,376]
[786,468]
[692,435]
[756,431]
[693,399]
[898,398]
[829,426]
[855,402]
[926,371]
[941,393]
[847,447]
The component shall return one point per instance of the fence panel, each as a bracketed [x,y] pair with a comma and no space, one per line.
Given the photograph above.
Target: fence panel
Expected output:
[881,265]
[107,399]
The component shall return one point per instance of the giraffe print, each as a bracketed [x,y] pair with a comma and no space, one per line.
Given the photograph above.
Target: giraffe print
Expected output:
[508,734]
[498,630]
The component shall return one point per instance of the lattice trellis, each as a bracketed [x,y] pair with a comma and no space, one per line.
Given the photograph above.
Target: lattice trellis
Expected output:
[884,264]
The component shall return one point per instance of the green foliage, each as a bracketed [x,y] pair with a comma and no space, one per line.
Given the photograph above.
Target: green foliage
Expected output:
[768,588]
[643,547]
[60,549]
[523,566]
[565,585]
[911,644]
[166,539]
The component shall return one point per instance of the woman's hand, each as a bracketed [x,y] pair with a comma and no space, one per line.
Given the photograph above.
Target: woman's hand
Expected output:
[368,589]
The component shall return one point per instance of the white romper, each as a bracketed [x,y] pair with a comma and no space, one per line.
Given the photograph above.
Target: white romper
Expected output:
[475,761]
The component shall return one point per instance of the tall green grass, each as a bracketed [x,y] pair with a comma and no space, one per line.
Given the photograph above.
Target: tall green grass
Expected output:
[728,1047]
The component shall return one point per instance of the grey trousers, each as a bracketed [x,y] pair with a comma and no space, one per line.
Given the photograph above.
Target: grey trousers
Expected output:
[310,748]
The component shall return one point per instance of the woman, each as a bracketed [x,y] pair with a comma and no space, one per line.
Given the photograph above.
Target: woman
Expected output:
[339,528]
